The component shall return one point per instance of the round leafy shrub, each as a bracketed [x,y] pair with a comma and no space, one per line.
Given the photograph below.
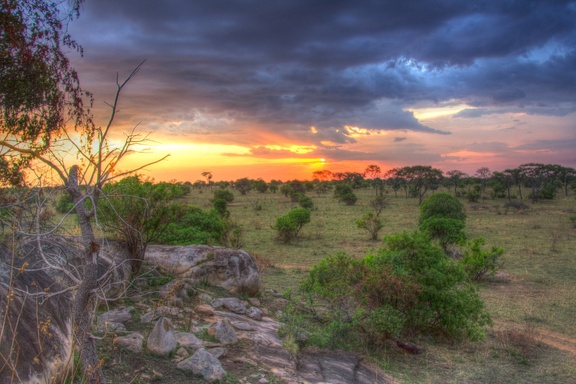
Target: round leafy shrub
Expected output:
[224,194]
[289,225]
[479,263]
[349,198]
[305,201]
[442,205]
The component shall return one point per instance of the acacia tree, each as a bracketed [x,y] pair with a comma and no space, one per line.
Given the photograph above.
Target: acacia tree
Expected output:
[420,178]
[43,115]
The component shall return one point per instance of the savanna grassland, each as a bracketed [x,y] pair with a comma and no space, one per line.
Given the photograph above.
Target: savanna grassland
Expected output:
[532,299]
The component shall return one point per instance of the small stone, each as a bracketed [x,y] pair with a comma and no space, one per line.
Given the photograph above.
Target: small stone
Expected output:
[255,313]
[206,298]
[161,340]
[217,352]
[182,352]
[205,309]
[223,332]
[255,302]
[132,342]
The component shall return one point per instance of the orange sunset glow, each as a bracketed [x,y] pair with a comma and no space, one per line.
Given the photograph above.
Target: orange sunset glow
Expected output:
[258,97]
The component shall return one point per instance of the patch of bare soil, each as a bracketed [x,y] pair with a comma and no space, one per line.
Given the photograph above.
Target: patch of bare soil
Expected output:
[550,338]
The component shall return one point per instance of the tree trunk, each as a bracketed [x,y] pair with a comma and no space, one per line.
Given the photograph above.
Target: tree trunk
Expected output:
[85,298]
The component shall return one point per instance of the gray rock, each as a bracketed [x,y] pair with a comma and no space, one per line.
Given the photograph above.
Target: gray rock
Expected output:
[205,364]
[188,340]
[159,312]
[232,304]
[217,352]
[161,340]
[117,315]
[205,298]
[132,342]
[255,313]
[232,269]
[223,332]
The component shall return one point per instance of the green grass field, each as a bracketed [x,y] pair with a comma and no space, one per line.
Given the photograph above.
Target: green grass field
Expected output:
[533,295]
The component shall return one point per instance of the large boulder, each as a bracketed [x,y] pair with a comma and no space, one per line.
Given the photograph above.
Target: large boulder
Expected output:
[35,319]
[37,280]
[232,269]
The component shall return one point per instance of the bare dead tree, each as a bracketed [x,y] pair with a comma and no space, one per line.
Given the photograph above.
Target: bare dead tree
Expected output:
[98,164]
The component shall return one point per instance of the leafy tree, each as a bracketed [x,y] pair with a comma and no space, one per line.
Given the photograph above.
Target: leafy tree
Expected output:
[455,179]
[290,224]
[536,175]
[442,216]
[343,192]
[260,186]
[420,178]
[483,175]
[137,212]
[243,185]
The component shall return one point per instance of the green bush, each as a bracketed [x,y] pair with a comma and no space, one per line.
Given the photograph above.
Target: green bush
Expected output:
[479,263]
[221,206]
[349,198]
[194,226]
[289,225]
[65,204]
[224,194]
[305,201]
[446,231]
[407,288]
[370,222]
[442,217]
[442,205]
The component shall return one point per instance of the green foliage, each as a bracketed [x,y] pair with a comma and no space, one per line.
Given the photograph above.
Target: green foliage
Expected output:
[474,195]
[40,94]
[137,212]
[64,204]
[442,216]
[372,223]
[221,207]
[243,185]
[305,201]
[224,194]
[260,186]
[573,220]
[289,225]
[193,226]
[479,263]
[446,231]
[231,236]
[378,204]
[349,198]
[442,205]
[409,287]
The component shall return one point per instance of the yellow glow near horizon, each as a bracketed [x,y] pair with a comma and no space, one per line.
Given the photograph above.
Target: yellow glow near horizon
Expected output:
[435,112]
[298,149]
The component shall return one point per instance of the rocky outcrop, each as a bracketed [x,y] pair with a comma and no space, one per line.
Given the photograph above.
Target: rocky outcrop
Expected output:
[232,269]
[35,336]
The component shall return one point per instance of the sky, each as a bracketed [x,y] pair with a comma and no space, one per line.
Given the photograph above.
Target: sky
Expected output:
[279,89]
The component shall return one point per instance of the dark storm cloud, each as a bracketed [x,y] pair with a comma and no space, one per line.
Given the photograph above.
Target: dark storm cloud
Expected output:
[291,64]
